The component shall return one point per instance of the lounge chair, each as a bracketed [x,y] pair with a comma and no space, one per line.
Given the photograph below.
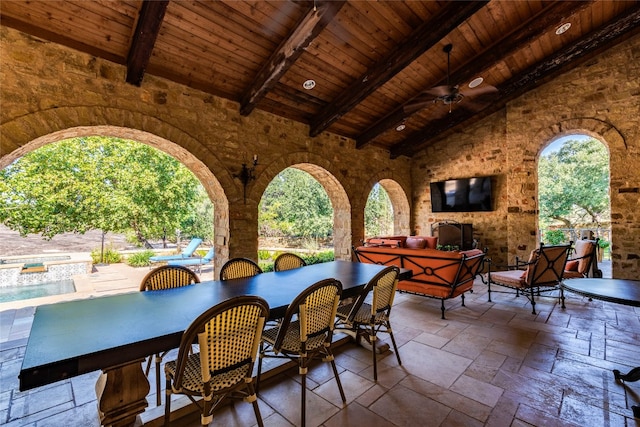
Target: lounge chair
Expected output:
[194,261]
[185,254]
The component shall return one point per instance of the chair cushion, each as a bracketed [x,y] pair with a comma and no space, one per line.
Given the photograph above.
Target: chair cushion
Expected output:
[583,253]
[514,278]
[415,243]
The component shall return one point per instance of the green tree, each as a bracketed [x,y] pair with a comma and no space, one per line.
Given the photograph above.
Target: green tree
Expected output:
[574,184]
[100,183]
[378,213]
[294,204]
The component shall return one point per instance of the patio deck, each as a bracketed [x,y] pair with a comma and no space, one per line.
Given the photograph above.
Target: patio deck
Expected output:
[492,364]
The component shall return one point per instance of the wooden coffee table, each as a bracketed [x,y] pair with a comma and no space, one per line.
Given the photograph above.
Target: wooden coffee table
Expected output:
[619,291]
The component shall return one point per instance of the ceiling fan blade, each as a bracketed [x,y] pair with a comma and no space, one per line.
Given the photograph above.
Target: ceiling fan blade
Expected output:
[413,107]
[473,106]
[479,91]
[440,91]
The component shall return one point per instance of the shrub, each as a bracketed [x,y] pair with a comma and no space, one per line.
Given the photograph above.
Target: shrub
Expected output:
[266,266]
[554,237]
[140,259]
[319,257]
[264,255]
[111,256]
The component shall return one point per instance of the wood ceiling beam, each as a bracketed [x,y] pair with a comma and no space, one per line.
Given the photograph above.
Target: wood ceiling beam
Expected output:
[628,23]
[144,38]
[35,31]
[548,18]
[307,29]
[422,39]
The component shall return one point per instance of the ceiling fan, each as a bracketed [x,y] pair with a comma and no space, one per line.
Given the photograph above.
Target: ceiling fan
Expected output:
[448,94]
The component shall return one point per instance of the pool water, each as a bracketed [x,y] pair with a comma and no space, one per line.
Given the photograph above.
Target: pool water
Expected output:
[17,293]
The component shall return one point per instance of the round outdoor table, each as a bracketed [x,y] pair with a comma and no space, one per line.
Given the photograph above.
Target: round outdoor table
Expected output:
[619,291]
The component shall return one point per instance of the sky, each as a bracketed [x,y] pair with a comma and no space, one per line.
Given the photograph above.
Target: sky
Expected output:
[558,143]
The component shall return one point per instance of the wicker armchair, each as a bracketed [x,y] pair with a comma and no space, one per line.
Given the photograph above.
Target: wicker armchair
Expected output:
[288,261]
[366,320]
[305,333]
[228,335]
[165,277]
[542,273]
[237,268]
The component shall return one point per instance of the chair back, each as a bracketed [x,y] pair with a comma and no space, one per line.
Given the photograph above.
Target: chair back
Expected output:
[288,261]
[547,265]
[168,276]
[209,255]
[191,247]
[314,309]
[384,286]
[237,268]
[228,335]
[585,254]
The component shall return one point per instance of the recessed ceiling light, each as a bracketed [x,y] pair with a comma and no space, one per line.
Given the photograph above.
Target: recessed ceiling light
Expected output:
[563,28]
[309,84]
[401,127]
[476,82]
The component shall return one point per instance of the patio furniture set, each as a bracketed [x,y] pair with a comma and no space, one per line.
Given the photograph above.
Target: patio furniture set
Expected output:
[291,313]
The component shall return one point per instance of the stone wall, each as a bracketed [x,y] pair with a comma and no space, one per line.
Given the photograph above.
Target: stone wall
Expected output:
[600,98]
[50,92]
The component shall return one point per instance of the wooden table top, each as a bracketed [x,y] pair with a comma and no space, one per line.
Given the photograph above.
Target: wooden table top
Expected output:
[76,337]
[619,291]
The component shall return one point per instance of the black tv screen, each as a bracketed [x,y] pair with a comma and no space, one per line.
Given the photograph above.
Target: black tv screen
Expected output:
[461,195]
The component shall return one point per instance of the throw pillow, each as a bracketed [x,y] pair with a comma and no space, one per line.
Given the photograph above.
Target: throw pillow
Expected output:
[572,265]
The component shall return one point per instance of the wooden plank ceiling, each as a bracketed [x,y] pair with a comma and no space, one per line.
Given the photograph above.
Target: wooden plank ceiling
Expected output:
[374,63]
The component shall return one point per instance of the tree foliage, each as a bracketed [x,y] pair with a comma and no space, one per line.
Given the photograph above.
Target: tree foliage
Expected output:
[100,183]
[573,185]
[378,213]
[295,204]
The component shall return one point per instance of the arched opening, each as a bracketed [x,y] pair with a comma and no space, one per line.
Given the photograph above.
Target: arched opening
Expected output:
[378,213]
[387,210]
[295,215]
[210,183]
[321,170]
[573,193]
[399,205]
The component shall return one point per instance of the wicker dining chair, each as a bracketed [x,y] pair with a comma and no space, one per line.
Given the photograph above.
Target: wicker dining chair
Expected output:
[165,277]
[366,319]
[237,268]
[305,333]
[228,337]
[288,261]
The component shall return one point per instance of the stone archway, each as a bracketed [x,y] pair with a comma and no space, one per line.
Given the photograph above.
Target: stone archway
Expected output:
[200,170]
[401,207]
[610,137]
[321,169]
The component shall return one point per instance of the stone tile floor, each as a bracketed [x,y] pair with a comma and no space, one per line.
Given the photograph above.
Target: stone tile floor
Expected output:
[492,364]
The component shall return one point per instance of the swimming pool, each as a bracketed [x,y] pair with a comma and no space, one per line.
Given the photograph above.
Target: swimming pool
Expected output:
[16,293]
[24,278]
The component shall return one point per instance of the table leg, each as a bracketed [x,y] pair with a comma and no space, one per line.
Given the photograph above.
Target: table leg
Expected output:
[122,394]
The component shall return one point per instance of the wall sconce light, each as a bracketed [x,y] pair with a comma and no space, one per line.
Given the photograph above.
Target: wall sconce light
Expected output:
[247,174]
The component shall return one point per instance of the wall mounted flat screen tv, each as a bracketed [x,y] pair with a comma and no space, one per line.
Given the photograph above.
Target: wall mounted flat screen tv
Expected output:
[462,195]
